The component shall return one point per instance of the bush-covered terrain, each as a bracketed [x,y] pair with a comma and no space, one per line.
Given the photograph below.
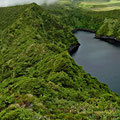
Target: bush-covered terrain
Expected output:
[39,79]
[8,15]
[76,17]
[111,28]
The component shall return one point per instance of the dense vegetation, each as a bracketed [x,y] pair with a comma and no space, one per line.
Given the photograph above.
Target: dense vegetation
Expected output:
[77,17]
[38,77]
[110,28]
[8,15]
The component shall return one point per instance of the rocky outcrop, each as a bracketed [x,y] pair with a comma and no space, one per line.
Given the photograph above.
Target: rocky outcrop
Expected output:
[73,48]
[109,39]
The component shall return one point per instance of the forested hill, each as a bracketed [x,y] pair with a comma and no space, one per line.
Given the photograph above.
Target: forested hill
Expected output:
[8,15]
[38,77]
[105,23]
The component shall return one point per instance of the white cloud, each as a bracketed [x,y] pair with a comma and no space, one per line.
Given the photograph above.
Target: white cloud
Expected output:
[4,3]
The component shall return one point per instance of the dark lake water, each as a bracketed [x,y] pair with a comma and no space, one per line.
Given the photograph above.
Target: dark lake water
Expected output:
[99,58]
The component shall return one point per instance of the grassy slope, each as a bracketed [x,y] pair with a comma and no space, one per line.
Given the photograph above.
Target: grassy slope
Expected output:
[100,5]
[39,79]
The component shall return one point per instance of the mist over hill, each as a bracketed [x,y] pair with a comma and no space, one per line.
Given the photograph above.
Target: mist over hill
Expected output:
[21,2]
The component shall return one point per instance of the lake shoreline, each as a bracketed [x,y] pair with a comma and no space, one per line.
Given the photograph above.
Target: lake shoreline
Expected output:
[80,29]
[73,48]
[98,58]
[112,40]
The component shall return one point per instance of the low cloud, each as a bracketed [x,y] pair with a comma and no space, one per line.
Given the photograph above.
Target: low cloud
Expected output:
[5,3]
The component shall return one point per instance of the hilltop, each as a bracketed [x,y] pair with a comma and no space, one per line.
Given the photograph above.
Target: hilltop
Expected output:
[38,77]
[8,15]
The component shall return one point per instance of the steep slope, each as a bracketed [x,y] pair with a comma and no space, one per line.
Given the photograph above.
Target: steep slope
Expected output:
[105,23]
[40,80]
[8,15]
[75,17]
[110,28]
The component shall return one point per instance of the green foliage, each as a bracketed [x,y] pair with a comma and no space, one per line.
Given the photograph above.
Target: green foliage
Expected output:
[38,77]
[76,17]
[111,28]
[18,114]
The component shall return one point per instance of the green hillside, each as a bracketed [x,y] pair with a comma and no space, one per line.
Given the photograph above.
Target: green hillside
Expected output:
[98,5]
[38,77]
[8,15]
[110,28]
[77,17]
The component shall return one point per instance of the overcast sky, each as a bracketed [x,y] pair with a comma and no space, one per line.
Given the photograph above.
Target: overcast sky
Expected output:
[4,3]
